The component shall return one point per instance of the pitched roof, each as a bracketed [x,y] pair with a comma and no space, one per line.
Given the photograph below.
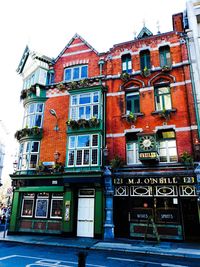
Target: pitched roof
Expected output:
[76,36]
[34,55]
[144,33]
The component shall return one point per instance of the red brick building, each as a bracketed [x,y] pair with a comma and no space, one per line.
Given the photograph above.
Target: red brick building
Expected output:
[130,108]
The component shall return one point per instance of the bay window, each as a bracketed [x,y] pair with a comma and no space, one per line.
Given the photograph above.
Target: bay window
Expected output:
[83,150]
[33,116]
[28,155]
[85,106]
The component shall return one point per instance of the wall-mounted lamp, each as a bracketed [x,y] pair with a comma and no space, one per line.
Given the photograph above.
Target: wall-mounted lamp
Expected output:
[53,113]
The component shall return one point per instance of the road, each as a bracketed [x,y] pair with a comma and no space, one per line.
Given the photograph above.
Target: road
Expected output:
[21,255]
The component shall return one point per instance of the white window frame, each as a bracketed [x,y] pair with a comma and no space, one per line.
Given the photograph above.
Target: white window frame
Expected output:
[90,148]
[32,123]
[22,208]
[36,204]
[72,69]
[167,148]
[54,198]
[75,106]
[135,158]
[25,156]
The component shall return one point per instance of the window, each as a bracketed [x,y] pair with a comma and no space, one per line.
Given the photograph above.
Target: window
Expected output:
[76,73]
[33,115]
[27,205]
[165,57]
[56,206]
[28,155]
[167,146]
[163,98]
[145,60]
[50,78]
[126,63]
[83,150]
[132,155]
[85,106]
[132,103]
[42,205]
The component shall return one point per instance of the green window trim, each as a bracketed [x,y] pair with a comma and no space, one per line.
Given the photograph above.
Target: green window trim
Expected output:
[162,98]
[145,62]
[126,63]
[165,56]
[132,102]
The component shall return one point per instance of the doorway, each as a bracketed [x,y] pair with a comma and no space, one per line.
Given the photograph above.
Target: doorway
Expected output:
[85,218]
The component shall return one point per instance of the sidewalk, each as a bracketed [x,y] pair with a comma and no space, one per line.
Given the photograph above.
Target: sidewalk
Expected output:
[187,250]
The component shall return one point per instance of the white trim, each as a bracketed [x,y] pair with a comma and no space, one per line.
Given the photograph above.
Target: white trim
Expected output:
[146,89]
[75,45]
[181,129]
[133,130]
[77,53]
[115,94]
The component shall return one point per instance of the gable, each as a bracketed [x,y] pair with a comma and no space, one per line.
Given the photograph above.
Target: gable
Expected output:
[144,33]
[77,45]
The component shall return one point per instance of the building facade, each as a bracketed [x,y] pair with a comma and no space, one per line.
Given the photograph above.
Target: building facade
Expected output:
[107,142]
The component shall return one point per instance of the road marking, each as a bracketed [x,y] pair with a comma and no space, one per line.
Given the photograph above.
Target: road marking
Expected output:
[149,262]
[46,262]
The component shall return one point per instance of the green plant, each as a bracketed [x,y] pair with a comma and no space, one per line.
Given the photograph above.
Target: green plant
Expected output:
[131,117]
[146,72]
[93,122]
[72,124]
[166,68]
[58,167]
[165,114]
[116,162]
[125,76]
[83,123]
[186,158]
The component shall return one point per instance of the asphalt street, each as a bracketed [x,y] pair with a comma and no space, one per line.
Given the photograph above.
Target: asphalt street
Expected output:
[20,255]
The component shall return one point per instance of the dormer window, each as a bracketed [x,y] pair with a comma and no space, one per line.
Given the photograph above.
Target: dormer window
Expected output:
[76,73]
[126,63]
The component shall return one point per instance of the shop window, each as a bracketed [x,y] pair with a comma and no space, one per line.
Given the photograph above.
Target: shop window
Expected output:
[121,191]
[28,155]
[85,106]
[56,206]
[165,57]
[132,103]
[76,73]
[163,98]
[41,207]
[167,146]
[145,60]
[27,205]
[126,63]
[83,150]
[33,116]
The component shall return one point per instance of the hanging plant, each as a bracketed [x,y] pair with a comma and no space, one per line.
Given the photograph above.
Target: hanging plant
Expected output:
[146,72]
[116,162]
[60,86]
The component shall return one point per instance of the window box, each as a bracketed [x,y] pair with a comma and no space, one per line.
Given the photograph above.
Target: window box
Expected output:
[146,72]
[166,68]
[165,113]
[29,132]
[125,76]
[131,117]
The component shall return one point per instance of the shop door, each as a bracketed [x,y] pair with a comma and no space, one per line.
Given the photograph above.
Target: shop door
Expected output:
[190,218]
[85,223]
[121,220]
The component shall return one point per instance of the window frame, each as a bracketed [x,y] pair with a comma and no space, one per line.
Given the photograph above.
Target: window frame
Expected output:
[54,198]
[30,118]
[22,206]
[80,69]
[135,152]
[91,147]
[165,56]
[136,97]
[76,106]
[146,56]
[162,97]
[126,61]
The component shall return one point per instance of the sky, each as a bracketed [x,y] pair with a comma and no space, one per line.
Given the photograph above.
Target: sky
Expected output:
[47,26]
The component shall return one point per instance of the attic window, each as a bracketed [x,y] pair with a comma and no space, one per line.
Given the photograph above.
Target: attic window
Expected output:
[76,73]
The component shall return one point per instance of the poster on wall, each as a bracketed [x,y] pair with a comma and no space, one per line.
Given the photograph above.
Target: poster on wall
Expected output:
[41,208]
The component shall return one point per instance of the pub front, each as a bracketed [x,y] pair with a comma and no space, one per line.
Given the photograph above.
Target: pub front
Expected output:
[165,200]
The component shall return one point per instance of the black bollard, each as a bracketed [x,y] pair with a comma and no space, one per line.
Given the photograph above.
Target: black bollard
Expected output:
[82,258]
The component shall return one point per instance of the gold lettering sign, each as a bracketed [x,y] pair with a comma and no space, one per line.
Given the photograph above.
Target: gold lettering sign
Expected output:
[152,155]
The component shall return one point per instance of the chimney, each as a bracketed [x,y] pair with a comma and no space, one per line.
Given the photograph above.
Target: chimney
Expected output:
[177,20]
